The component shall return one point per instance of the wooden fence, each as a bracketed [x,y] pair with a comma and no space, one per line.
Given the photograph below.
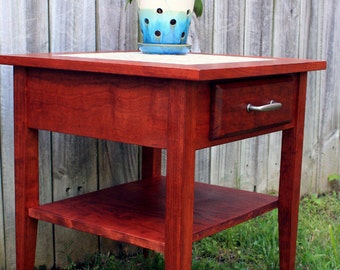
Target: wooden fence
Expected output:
[73,165]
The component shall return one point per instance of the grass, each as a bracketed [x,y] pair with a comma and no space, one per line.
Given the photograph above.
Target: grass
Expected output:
[253,244]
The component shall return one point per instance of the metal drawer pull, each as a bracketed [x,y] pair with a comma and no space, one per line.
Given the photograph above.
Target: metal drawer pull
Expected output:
[272,106]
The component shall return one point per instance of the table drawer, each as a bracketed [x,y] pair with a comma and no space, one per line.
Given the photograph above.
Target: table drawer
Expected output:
[232,110]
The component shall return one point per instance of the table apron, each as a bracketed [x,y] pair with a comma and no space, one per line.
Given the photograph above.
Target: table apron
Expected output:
[103,106]
[136,109]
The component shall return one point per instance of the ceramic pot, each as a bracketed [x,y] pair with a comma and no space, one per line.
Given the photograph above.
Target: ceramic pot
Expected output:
[164,25]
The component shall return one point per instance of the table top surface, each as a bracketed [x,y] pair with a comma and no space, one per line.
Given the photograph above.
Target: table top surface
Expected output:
[197,67]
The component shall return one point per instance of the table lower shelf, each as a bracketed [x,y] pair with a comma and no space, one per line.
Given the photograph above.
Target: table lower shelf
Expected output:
[135,212]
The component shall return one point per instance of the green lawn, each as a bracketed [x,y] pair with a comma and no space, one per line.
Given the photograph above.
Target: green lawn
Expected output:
[253,244]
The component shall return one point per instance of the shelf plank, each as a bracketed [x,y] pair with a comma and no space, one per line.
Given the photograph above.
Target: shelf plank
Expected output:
[135,212]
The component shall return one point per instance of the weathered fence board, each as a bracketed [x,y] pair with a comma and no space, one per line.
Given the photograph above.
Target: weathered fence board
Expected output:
[309,45]
[320,39]
[117,25]
[228,38]
[2,230]
[45,250]
[12,39]
[118,163]
[7,174]
[37,40]
[74,159]
[284,44]
[71,165]
[329,118]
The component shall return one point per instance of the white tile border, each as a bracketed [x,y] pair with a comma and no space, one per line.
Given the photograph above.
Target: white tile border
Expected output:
[188,59]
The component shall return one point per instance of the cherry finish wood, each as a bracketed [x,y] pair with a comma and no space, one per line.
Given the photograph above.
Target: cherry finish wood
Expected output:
[202,72]
[289,196]
[152,162]
[230,101]
[191,107]
[181,174]
[108,102]
[26,175]
[104,106]
[135,212]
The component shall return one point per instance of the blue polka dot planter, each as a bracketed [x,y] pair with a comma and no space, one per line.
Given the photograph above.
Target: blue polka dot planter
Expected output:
[164,27]
[150,48]
[165,22]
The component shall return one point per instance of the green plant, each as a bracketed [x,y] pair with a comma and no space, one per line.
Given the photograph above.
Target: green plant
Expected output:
[333,177]
[334,181]
[253,244]
[99,261]
[319,230]
[198,7]
[333,240]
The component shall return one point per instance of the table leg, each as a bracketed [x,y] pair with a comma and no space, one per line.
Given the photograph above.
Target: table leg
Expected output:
[151,162]
[289,189]
[151,167]
[289,197]
[26,176]
[180,179]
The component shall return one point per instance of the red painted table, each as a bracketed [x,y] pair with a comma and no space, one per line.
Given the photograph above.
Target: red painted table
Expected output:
[180,103]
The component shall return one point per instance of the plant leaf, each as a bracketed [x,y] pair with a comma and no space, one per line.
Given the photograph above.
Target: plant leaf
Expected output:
[198,8]
[333,177]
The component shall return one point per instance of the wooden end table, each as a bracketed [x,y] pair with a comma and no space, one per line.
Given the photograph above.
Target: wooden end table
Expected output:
[179,103]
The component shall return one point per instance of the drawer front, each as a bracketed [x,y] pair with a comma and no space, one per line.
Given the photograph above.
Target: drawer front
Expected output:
[231,100]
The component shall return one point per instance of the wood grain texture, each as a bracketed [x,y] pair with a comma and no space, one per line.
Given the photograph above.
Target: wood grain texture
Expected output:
[152,162]
[26,175]
[228,38]
[37,40]
[189,119]
[309,45]
[2,233]
[329,97]
[285,44]
[300,28]
[321,143]
[290,175]
[58,105]
[230,102]
[180,175]
[116,25]
[192,72]
[118,163]
[7,234]
[45,248]
[72,28]
[12,40]
[142,213]
[258,40]
[125,102]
